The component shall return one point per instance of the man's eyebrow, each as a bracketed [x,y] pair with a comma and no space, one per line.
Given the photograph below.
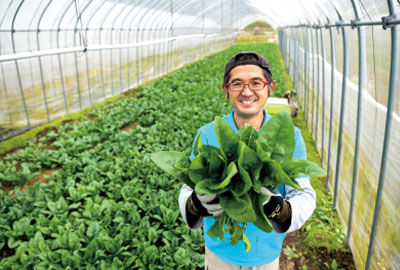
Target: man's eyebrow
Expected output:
[252,79]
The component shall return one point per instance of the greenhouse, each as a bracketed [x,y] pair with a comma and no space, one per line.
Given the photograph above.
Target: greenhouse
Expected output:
[91,90]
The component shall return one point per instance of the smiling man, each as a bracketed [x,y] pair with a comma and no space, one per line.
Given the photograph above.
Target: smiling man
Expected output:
[248,83]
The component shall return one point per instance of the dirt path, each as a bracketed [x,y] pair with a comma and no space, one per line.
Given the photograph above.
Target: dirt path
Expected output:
[297,256]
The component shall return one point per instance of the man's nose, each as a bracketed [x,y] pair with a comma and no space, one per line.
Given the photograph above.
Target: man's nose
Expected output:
[246,90]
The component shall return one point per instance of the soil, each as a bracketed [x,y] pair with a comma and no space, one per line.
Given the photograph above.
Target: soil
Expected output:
[306,258]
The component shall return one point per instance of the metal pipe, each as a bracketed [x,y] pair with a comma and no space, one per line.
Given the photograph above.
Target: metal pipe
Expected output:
[342,111]
[312,84]
[21,89]
[59,58]
[305,72]
[361,78]
[95,10]
[79,19]
[129,34]
[317,88]
[394,63]
[120,42]
[323,97]
[40,61]
[333,65]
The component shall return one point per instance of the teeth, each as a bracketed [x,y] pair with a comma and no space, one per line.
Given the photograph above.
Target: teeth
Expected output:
[247,101]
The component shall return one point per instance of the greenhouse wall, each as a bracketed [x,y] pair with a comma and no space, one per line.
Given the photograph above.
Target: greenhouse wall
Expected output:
[61,57]
[319,62]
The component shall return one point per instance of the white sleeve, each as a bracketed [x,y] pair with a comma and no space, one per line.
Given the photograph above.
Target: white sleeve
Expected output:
[184,194]
[302,204]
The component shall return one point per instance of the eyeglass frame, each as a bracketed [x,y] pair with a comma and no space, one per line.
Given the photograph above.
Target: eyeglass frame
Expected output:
[244,86]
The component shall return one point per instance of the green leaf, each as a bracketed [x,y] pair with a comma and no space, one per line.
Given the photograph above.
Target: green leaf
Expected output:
[238,208]
[227,139]
[166,161]
[215,186]
[217,229]
[236,233]
[249,168]
[298,167]
[248,135]
[278,133]
[181,258]
[246,242]
[93,229]
[198,169]
[197,145]
[262,221]
[278,175]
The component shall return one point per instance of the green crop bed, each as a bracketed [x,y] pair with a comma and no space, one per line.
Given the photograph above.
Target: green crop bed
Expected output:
[107,206]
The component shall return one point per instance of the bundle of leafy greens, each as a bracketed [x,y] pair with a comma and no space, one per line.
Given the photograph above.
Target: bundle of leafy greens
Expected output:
[236,171]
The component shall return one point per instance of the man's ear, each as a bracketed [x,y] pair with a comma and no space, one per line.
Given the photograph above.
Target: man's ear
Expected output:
[271,88]
[226,91]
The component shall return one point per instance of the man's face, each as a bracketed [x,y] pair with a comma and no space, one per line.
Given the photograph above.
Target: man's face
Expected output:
[248,103]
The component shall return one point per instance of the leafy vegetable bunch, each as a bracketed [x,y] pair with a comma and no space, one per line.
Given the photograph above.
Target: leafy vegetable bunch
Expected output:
[236,172]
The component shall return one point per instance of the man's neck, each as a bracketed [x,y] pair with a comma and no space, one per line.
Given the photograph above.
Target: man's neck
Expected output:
[255,121]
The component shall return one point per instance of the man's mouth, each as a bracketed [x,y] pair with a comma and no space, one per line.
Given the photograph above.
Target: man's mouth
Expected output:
[247,102]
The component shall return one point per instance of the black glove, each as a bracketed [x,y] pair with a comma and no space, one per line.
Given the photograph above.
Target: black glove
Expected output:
[276,208]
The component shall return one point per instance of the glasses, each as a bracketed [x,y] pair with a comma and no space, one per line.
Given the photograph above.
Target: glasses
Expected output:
[255,85]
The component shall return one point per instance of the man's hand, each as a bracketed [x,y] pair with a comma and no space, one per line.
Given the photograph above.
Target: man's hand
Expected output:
[206,205]
[276,208]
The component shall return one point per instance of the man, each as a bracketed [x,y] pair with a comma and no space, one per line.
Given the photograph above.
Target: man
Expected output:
[248,83]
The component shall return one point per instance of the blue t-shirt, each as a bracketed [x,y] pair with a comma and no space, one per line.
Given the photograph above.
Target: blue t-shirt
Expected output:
[265,247]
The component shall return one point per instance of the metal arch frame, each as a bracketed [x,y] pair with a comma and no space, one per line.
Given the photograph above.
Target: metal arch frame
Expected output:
[333,65]
[129,32]
[155,28]
[91,16]
[137,39]
[318,89]
[145,21]
[394,66]
[79,18]
[111,50]
[120,42]
[100,51]
[361,73]
[59,57]
[17,67]
[342,111]
[159,21]
[40,60]
[323,97]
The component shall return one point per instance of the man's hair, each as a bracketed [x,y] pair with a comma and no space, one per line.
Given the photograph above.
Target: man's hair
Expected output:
[248,58]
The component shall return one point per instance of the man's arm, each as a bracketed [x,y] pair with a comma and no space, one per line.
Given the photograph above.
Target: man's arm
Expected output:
[193,220]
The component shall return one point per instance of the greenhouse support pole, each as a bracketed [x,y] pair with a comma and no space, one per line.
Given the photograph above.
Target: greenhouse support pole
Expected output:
[59,58]
[306,75]
[333,66]
[342,111]
[323,96]
[294,62]
[289,43]
[100,54]
[312,82]
[121,83]
[21,89]
[388,125]
[111,50]
[84,41]
[317,88]
[128,80]
[40,62]
[172,34]
[361,78]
